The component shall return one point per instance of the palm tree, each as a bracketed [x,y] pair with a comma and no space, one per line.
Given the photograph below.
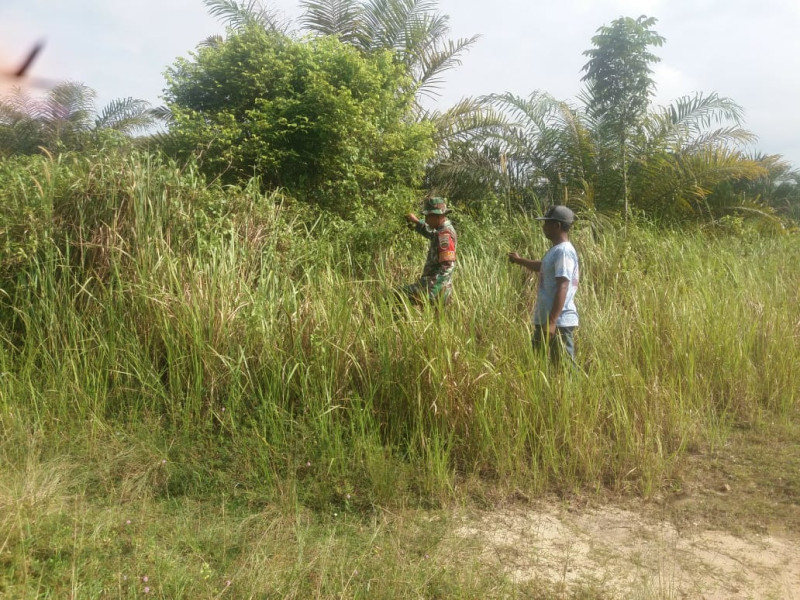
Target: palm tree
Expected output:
[779,188]
[19,133]
[774,193]
[412,29]
[240,15]
[467,162]
[66,118]
[688,149]
[542,150]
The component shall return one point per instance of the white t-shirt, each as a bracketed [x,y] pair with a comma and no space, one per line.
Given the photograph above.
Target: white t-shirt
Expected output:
[560,261]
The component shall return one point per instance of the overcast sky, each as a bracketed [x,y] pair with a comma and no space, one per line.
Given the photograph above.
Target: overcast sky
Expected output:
[748,50]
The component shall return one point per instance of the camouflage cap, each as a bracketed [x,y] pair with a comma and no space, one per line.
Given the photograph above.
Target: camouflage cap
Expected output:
[435,205]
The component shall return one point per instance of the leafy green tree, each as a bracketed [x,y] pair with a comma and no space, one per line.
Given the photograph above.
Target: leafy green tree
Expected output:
[66,118]
[317,118]
[619,83]
[412,29]
[418,36]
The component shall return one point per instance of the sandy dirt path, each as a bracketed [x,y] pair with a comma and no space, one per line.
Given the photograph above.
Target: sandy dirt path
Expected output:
[618,553]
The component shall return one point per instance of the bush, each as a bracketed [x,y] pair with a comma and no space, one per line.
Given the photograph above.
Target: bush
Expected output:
[316,118]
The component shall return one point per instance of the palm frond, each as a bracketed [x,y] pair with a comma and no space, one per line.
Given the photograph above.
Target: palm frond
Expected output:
[430,63]
[704,110]
[468,121]
[240,15]
[467,174]
[689,117]
[17,102]
[67,111]
[212,41]
[423,34]
[387,22]
[163,114]
[722,137]
[126,115]
[340,18]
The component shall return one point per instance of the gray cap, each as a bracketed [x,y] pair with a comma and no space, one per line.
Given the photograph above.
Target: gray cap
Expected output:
[558,213]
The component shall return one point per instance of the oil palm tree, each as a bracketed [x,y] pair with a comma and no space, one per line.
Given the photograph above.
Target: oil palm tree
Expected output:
[410,28]
[413,29]
[549,151]
[779,188]
[467,164]
[544,146]
[688,149]
[774,194]
[66,118]
[240,15]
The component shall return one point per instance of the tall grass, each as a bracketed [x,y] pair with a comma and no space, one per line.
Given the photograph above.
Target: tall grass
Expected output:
[252,351]
[167,342]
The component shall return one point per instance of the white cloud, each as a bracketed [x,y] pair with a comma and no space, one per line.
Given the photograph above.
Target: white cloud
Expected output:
[636,8]
[671,83]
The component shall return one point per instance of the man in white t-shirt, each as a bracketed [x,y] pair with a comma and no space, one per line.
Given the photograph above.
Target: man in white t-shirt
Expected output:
[555,315]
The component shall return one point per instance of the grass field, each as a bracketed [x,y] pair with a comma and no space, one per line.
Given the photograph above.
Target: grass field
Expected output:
[202,385]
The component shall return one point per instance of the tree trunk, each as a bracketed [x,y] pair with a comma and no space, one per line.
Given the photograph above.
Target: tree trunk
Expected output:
[625,182]
[624,148]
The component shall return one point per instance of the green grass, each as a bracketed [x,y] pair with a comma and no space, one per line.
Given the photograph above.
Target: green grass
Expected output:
[87,546]
[247,393]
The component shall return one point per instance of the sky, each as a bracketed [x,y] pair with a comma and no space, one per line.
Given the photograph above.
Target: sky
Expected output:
[747,50]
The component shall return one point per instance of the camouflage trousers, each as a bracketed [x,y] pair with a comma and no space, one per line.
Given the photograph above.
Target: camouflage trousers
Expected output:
[419,293]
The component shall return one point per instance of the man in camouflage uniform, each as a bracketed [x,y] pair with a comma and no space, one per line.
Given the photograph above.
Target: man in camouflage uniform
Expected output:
[435,284]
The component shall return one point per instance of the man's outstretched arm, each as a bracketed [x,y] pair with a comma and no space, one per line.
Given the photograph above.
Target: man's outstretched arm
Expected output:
[532,265]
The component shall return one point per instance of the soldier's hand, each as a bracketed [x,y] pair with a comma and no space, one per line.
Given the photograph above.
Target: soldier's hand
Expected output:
[412,219]
[513,257]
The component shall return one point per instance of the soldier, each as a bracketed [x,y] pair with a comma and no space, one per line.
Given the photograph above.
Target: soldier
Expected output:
[435,284]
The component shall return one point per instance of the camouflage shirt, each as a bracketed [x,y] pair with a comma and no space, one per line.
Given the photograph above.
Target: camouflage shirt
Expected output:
[437,274]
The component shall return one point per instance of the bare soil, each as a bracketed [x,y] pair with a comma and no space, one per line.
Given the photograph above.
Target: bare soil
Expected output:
[730,529]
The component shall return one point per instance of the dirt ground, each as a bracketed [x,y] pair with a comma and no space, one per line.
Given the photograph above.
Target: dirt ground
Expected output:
[619,553]
[730,531]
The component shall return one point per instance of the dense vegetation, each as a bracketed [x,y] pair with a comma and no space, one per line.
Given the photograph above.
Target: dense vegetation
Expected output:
[179,335]
[317,119]
[172,341]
